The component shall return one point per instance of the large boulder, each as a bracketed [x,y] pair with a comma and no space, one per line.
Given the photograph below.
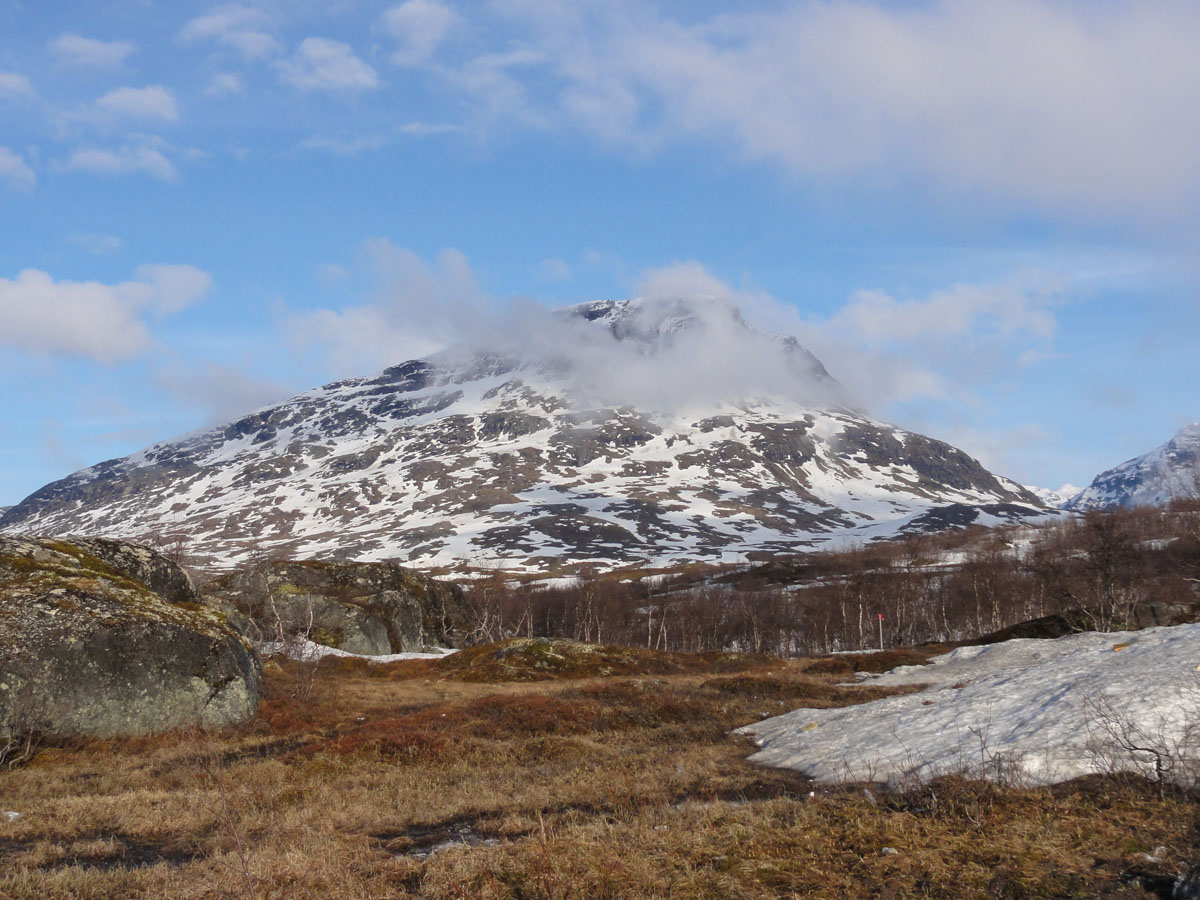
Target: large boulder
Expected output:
[368,608]
[107,638]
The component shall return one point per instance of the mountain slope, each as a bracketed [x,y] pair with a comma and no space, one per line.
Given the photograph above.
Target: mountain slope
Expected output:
[1155,478]
[1055,498]
[527,460]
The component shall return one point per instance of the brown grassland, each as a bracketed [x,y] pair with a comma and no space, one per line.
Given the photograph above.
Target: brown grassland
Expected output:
[612,775]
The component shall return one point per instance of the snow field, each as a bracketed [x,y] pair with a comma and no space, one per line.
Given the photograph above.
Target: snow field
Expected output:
[1022,711]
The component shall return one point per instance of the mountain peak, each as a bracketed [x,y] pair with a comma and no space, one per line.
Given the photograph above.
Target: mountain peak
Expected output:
[615,432]
[1167,472]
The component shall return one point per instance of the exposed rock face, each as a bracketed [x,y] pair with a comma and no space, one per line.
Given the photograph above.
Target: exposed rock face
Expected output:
[369,608]
[106,638]
[1166,473]
[490,460]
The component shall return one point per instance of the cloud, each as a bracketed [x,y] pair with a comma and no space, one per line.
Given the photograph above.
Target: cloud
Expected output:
[174,287]
[910,359]
[15,171]
[238,27]
[422,308]
[83,52]
[14,85]
[321,64]
[417,309]
[126,160]
[220,391]
[964,309]
[418,27]
[345,146]
[555,269]
[95,242]
[223,84]
[105,323]
[1073,109]
[152,102]
[222,20]
[353,145]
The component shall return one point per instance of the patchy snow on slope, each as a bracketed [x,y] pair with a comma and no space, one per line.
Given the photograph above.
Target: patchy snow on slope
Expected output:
[1167,473]
[1024,711]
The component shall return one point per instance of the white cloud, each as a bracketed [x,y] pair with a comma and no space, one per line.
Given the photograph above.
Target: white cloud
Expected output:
[499,87]
[152,102]
[102,322]
[126,160]
[15,171]
[236,26]
[353,145]
[964,309]
[321,64]
[555,269]
[418,27]
[175,286]
[889,353]
[74,50]
[252,44]
[683,280]
[220,391]
[95,242]
[224,84]
[345,146]
[418,309]
[1066,107]
[222,20]
[429,129]
[14,85]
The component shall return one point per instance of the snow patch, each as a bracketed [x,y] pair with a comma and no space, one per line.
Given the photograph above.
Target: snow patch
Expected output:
[1029,711]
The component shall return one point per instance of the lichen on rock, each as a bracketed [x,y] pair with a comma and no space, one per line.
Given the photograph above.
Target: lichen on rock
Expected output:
[108,638]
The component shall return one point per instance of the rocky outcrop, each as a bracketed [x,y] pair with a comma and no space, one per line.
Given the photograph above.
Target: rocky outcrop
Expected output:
[368,608]
[106,638]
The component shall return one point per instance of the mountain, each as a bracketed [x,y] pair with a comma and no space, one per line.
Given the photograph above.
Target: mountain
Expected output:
[1156,478]
[1055,498]
[615,432]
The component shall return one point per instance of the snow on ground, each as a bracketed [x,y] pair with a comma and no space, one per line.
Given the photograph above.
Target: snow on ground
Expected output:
[308,651]
[1025,711]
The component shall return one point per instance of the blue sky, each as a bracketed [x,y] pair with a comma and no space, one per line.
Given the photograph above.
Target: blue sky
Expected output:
[982,215]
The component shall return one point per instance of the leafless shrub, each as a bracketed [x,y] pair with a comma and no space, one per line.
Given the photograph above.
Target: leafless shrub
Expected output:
[22,726]
[1164,748]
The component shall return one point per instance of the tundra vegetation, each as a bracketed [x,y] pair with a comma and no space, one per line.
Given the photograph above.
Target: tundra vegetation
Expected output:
[533,766]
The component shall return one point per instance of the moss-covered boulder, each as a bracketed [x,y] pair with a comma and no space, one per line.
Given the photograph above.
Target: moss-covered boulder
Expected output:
[369,608]
[107,638]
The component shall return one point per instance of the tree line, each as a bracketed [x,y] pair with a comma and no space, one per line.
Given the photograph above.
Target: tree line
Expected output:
[1101,570]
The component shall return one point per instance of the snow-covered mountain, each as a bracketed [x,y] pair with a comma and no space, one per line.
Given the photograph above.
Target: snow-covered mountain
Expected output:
[1165,473]
[646,432]
[1055,498]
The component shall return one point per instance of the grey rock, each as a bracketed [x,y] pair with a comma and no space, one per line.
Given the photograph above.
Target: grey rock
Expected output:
[368,608]
[89,645]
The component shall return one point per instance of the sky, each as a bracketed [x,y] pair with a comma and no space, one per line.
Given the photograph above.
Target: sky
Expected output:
[981,215]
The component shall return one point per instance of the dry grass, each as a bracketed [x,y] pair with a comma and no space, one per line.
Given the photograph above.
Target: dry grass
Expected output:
[623,786]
